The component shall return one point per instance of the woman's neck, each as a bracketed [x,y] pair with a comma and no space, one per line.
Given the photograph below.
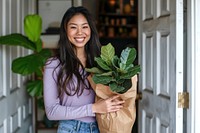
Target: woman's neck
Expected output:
[82,56]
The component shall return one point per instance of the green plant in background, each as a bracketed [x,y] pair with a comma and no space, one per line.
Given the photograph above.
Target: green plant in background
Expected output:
[34,62]
[114,71]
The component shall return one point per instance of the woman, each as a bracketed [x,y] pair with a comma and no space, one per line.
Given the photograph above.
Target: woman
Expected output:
[68,97]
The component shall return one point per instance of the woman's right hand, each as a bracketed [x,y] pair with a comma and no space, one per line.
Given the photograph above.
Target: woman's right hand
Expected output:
[111,104]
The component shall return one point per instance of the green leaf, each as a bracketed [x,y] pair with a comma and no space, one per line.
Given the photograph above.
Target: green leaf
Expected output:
[105,74]
[35,88]
[17,40]
[102,79]
[107,53]
[33,27]
[127,57]
[115,72]
[115,87]
[102,63]
[44,54]
[39,73]
[131,72]
[115,62]
[31,63]
[120,81]
[39,45]
[93,70]
[127,85]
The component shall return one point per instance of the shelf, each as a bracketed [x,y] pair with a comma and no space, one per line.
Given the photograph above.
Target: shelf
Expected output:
[118,22]
[127,25]
[118,14]
[119,37]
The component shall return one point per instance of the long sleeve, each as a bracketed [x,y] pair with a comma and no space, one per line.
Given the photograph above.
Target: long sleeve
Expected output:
[53,108]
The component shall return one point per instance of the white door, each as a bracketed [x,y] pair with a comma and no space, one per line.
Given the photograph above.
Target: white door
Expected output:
[161,58]
[15,104]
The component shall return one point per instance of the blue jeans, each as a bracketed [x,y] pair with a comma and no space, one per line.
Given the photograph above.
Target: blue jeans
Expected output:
[75,126]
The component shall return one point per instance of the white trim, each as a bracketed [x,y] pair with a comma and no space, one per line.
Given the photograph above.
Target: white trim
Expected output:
[179,63]
[193,62]
[32,6]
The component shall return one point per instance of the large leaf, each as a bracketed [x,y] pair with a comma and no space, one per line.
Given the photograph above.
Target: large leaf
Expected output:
[107,53]
[16,39]
[131,72]
[33,27]
[102,79]
[115,62]
[35,88]
[127,57]
[31,63]
[102,63]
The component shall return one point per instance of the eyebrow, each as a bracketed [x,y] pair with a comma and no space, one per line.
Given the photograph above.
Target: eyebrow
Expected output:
[77,24]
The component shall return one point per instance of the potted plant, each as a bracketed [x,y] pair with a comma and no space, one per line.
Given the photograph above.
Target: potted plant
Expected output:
[33,63]
[114,75]
[114,71]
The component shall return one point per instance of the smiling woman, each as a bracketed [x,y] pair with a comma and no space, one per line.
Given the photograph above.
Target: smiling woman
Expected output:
[68,96]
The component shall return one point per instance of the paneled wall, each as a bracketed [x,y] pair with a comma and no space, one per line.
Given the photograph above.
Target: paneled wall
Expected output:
[15,104]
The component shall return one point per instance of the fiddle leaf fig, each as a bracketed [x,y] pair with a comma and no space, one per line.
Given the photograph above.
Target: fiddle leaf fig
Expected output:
[101,79]
[30,63]
[131,72]
[102,63]
[17,39]
[33,27]
[114,71]
[127,57]
[38,45]
[107,54]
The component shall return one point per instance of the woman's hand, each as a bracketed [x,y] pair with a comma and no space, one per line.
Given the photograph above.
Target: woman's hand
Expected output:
[111,104]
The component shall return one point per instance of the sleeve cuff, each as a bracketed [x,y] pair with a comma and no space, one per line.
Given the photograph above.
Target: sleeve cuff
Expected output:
[89,110]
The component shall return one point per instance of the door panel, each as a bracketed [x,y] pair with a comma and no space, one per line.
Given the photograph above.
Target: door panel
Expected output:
[15,104]
[161,58]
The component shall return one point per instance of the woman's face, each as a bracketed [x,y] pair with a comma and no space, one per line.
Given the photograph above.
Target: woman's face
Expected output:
[78,31]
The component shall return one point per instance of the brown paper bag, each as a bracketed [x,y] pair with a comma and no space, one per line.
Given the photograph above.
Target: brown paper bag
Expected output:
[123,120]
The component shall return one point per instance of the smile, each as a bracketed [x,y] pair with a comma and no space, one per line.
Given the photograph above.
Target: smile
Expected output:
[79,39]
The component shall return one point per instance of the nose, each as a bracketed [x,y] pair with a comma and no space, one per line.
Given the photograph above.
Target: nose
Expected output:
[79,32]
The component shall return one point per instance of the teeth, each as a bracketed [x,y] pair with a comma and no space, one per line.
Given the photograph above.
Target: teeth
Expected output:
[79,39]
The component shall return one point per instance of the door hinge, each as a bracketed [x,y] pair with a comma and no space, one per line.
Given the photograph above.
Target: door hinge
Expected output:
[183,100]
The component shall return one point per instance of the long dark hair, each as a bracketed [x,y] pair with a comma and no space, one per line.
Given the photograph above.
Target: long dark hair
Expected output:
[70,65]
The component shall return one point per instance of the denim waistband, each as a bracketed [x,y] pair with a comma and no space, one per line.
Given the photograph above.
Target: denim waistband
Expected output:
[79,126]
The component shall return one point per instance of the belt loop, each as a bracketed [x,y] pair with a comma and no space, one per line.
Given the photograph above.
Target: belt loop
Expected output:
[91,127]
[78,125]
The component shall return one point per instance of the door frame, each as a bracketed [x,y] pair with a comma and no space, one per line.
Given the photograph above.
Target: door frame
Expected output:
[193,65]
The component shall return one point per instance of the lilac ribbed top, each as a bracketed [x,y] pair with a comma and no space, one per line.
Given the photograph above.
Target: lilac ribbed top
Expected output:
[69,107]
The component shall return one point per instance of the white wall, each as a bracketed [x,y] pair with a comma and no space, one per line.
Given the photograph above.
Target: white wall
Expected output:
[52,12]
[15,105]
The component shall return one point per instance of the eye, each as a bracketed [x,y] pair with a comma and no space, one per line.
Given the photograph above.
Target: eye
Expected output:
[85,27]
[72,27]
